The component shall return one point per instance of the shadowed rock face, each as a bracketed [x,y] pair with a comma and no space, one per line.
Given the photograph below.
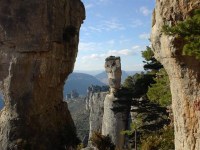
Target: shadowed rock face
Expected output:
[38,48]
[184,72]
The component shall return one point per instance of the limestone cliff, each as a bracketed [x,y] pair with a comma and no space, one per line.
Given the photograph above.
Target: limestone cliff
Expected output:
[184,72]
[94,103]
[116,104]
[38,48]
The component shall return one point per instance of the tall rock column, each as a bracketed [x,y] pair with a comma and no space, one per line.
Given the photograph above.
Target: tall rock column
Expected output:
[183,71]
[94,104]
[38,48]
[115,107]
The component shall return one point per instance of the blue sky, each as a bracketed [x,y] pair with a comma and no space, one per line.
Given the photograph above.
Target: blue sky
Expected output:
[114,27]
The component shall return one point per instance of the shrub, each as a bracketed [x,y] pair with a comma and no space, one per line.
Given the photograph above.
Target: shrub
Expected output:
[102,142]
[189,31]
[161,140]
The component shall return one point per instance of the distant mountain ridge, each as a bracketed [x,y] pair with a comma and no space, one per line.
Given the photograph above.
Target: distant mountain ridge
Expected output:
[104,78]
[96,72]
[80,82]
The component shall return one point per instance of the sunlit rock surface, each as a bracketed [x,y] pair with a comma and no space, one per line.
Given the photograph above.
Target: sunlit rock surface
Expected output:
[183,71]
[94,104]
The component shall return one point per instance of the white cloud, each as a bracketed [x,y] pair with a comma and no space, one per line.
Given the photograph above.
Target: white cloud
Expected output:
[112,24]
[111,42]
[89,46]
[124,41]
[105,25]
[103,1]
[136,47]
[136,23]
[145,11]
[94,29]
[123,52]
[88,6]
[99,15]
[93,57]
[144,36]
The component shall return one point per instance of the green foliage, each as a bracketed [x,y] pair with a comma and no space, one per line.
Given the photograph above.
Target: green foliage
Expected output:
[138,84]
[149,126]
[161,140]
[148,54]
[80,146]
[189,30]
[102,142]
[150,62]
[134,126]
[160,91]
[129,83]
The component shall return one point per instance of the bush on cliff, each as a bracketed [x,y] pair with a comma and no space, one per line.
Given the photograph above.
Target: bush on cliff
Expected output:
[102,142]
[160,91]
[153,84]
[160,140]
[189,31]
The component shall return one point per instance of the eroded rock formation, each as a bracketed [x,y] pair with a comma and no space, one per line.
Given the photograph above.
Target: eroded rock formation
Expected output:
[115,104]
[95,103]
[114,72]
[183,71]
[38,48]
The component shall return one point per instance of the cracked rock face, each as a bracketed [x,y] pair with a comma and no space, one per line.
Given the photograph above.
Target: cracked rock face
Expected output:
[183,71]
[38,48]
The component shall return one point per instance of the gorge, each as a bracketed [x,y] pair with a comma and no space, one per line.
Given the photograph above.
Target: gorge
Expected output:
[38,49]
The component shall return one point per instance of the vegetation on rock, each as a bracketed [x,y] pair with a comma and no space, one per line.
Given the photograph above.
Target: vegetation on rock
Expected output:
[160,91]
[102,142]
[189,31]
[151,94]
[150,62]
[160,140]
[138,84]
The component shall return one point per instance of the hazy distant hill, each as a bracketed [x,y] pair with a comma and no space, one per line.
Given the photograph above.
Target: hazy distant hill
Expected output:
[80,82]
[103,77]
[130,73]
[90,72]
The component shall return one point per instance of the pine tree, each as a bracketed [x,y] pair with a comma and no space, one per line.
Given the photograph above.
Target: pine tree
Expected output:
[150,62]
[189,31]
[160,91]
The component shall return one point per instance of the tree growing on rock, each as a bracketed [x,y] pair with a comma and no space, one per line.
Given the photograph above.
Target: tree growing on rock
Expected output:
[189,31]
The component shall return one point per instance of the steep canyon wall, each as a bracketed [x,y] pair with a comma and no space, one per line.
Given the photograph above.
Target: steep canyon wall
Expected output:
[183,71]
[38,48]
[95,105]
